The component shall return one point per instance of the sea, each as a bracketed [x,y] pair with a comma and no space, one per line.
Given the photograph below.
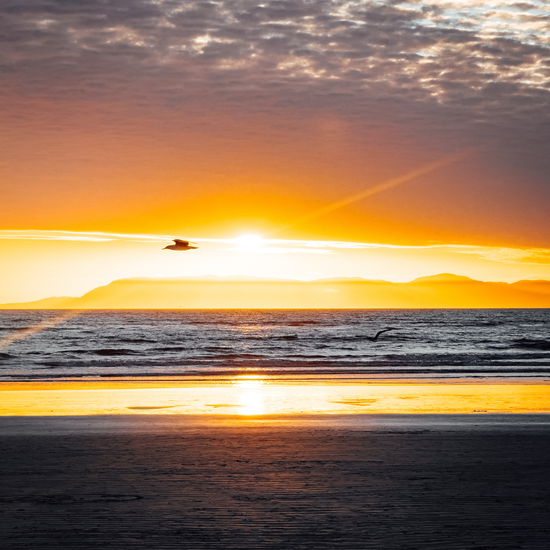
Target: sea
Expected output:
[465,343]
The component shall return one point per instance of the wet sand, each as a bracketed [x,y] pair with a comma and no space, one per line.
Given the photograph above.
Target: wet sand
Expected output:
[285,482]
[262,395]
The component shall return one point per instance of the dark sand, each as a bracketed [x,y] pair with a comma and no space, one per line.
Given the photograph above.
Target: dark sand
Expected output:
[381,482]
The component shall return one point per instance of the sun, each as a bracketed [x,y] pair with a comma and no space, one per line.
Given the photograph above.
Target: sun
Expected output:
[249,241]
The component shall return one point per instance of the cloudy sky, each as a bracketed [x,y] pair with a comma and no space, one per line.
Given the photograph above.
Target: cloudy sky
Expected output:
[214,119]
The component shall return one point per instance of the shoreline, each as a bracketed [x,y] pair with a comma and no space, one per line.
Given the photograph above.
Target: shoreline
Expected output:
[377,424]
[163,381]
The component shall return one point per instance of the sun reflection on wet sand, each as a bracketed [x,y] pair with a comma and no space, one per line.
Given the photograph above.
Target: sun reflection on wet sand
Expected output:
[262,396]
[251,398]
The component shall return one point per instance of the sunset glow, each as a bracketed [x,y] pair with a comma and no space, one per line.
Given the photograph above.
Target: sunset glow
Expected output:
[278,137]
[39,264]
[275,273]
[249,241]
[244,398]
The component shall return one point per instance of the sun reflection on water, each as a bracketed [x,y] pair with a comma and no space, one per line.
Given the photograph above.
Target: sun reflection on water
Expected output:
[251,398]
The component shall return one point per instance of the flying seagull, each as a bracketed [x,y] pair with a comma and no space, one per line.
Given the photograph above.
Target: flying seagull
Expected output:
[181,245]
[375,338]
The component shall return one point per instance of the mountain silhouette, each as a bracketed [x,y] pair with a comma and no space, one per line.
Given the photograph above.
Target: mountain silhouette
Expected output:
[438,291]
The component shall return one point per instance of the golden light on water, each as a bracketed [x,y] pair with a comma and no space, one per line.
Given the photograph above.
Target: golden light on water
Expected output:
[251,398]
[263,397]
[39,327]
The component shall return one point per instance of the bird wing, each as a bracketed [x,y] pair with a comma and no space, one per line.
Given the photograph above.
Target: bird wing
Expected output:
[382,332]
[182,243]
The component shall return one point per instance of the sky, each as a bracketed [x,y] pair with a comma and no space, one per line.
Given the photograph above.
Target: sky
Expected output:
[413,136]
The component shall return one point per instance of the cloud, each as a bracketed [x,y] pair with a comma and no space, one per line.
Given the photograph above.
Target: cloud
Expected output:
[531,256]
[490,60]
[284,246]
[420,78]
[40,235]
[282,250]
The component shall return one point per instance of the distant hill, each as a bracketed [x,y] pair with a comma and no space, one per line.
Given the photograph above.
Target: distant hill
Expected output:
[45,303]
[445,278]
[439,291]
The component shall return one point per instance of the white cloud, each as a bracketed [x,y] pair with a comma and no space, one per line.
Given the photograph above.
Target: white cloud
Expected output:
[280,246]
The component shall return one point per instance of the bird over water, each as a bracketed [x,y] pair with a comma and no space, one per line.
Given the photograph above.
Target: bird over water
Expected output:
[375,338]
[181,245]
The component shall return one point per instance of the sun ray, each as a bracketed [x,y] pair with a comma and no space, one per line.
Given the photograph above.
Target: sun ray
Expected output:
[393,182]
[43,325]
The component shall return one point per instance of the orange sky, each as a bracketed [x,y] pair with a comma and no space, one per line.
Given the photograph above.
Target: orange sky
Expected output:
[225,172]
[183,119]
[38,264]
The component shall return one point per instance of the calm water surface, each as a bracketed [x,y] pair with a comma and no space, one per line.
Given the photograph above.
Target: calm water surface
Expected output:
[426,343]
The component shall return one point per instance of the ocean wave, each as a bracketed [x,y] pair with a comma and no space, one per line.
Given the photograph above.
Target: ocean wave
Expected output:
[135,340]
[238,323]
[269,337]
[150,343]
[229,356]
[171,348]
[529,343]
[114,351]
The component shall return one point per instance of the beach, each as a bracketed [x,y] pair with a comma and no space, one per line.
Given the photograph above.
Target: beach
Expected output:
[151,484]
[275,275]
[149,479]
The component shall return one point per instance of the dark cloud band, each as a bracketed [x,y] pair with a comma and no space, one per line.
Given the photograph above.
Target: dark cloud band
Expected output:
[482,58]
